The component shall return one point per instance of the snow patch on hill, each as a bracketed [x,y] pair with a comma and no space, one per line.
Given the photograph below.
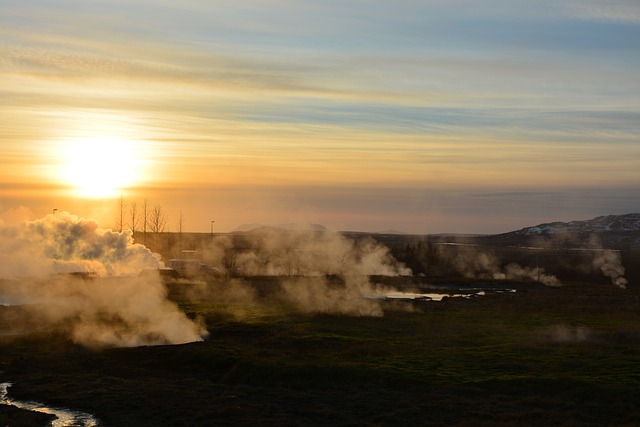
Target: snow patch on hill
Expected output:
[601,224]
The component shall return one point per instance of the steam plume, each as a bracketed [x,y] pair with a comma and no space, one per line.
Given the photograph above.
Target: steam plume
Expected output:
[514,271]
[486,265]
[336,269]
[117,309]
[314,254]
[609,263]
[475,264]
[64,243]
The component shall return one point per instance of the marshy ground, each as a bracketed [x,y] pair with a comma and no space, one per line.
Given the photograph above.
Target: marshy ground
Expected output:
[540,356]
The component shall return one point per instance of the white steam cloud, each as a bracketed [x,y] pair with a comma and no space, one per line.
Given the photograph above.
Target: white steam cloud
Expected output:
[354,297]
[118,308]
[473,263]
[320,272]
[486,265]
[311,253]
[514,271]
[65,243]
[609,263]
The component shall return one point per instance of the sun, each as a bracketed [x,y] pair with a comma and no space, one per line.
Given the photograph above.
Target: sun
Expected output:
[100,167]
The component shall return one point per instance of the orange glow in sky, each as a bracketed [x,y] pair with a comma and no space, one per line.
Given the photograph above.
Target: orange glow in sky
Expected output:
[413,116]
[100,167]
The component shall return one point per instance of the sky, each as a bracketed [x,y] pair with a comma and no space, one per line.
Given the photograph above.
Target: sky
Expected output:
[421,116]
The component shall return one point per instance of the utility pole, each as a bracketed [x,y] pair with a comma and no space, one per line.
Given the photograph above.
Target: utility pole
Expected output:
[212,222]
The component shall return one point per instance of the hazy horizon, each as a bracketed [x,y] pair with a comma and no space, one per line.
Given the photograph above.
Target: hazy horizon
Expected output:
[423,117]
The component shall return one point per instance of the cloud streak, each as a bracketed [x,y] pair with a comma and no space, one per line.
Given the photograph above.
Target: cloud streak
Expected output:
[625,11]
[415,94]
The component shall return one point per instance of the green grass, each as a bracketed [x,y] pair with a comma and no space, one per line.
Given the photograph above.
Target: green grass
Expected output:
[540,358]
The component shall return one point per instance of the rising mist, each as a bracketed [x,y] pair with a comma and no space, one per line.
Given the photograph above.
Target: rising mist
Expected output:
[108,304]
[317,272]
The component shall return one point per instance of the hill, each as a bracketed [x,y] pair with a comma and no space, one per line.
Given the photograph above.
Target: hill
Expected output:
[610,231]
[602,224]
[264,228]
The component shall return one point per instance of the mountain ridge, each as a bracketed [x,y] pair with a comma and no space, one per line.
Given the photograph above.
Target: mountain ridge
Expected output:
[609,231]
[264,228]
[601,224]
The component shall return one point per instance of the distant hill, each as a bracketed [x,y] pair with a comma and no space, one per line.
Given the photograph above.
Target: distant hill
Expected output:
[394,232]
[614,231]
[610,231]
[262,228]
[601,224]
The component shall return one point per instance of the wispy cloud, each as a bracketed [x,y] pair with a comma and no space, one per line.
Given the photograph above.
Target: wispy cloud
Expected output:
[624,11]
[371,94]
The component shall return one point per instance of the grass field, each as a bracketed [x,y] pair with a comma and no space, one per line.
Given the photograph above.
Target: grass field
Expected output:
[543,356]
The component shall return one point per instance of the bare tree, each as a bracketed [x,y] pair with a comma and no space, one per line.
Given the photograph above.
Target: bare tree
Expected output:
[157,225]
[157,220]
[120,214]
[134,218]
[145,221]
[180,224]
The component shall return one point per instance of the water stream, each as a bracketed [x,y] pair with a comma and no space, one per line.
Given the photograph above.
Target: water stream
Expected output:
[65,417]
[428,296]
[438,296]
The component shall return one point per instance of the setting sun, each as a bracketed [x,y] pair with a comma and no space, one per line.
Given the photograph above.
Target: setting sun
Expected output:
[421,117]
[100,167]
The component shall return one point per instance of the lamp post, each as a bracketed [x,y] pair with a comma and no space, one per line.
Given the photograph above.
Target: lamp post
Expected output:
[212,222]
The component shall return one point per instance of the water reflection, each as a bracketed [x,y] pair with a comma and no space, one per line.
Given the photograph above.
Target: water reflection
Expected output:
[437,296]
[65,417]
[429,296]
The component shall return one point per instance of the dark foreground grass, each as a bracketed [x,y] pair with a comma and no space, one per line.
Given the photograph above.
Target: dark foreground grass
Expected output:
[568,356]
[12,416]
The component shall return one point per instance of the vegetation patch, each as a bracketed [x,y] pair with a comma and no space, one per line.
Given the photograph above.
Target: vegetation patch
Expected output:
[543,357]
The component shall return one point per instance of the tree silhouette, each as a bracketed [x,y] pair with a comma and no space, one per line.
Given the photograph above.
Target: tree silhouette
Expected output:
[120,214]
[134,218]
[145,221]
[157,224]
